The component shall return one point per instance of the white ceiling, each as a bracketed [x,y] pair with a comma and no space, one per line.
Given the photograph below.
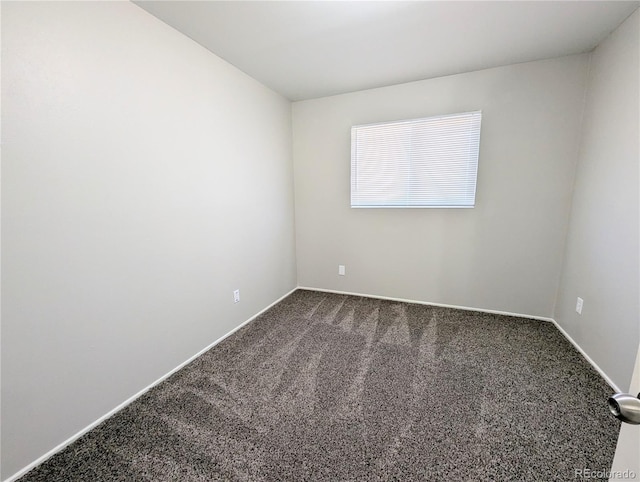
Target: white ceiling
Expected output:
[308,49]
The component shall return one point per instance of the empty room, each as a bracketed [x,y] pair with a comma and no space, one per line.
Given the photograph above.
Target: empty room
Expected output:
[320,240]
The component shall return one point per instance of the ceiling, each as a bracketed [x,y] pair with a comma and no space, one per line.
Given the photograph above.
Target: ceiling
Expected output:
[309,49]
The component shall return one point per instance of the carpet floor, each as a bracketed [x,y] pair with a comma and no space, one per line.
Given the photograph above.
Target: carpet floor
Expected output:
[345,388]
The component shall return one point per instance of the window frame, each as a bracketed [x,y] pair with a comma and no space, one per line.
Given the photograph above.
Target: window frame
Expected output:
[473,135]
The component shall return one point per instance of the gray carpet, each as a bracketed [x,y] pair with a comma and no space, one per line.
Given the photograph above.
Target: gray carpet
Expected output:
[343,388]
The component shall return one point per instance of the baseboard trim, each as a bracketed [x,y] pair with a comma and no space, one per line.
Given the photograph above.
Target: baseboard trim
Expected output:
[589,360]
[595,366]
[441,305]
[131,399]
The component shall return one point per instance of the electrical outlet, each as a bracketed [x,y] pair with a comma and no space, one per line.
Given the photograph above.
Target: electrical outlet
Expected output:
[236,296]
[579,305]
[341,269]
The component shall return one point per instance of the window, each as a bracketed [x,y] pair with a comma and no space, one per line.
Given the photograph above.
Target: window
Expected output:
[419,163]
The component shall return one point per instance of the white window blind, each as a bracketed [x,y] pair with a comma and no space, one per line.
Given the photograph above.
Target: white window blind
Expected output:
[429,162]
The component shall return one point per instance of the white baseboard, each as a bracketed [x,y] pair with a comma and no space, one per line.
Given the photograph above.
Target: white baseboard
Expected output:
[404,300]
[466,308]
[75,437]
[602,373]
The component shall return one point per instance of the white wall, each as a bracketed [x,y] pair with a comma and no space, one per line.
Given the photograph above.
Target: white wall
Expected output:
[505,254]
[143,179]
[602,259]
